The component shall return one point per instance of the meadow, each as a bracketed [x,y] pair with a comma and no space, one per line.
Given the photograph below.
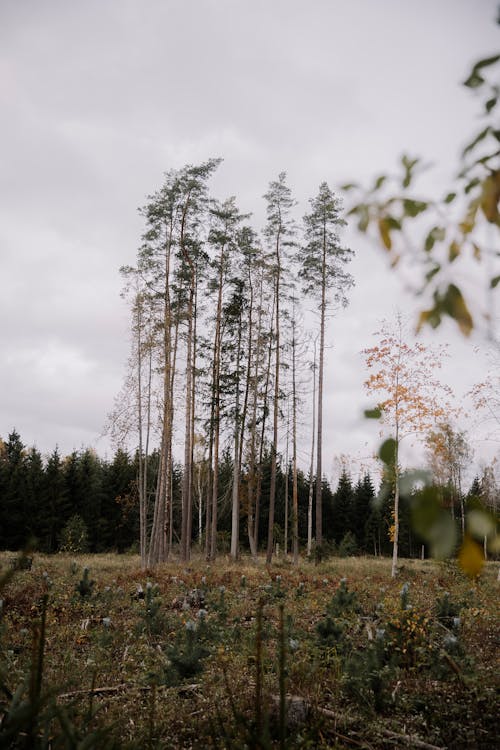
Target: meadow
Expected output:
[97,653]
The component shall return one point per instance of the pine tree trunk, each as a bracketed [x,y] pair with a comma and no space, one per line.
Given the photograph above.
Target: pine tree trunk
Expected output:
[274,445]
[235,515]
[295,491]
[311,470]
[319,467]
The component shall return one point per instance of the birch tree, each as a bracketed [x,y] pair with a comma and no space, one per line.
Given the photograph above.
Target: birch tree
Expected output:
[411,400]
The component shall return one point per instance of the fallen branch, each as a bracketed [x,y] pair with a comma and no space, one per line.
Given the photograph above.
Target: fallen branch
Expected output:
[410,739]
[123,686]
[298,709]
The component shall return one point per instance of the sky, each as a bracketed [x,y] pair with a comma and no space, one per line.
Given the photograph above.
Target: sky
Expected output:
[99,99]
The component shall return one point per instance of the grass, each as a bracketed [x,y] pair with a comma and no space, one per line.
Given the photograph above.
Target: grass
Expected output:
[174,657]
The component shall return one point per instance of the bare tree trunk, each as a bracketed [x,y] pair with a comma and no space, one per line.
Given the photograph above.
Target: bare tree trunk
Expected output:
[252,521]
[394,568]
[295,492]
[285,530]
[319,468]
[274,444]
[140,482]
[189,533]
[188,449]
[311,471]
[235,516]
[159,546]
[265,409]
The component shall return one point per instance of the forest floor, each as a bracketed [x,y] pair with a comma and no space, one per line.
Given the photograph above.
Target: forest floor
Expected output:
[239,655]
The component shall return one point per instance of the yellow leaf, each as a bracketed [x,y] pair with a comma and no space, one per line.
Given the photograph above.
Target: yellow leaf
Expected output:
[385,236]
[453,251]
[490,198]
[470,557]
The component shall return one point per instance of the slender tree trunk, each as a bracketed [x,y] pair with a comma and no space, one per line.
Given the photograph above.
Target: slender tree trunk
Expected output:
[189,533]
[319,468]
[394,568]
[311,471]
[188,450]
[274,444]
[140,480]
[186,479]
[252,469]
[295,491]
[235,516]
[285,530]
[265,409]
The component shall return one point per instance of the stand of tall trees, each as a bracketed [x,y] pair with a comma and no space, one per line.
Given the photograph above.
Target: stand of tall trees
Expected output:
[214,309]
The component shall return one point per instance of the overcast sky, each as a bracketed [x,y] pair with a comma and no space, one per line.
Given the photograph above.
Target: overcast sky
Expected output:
[100,98]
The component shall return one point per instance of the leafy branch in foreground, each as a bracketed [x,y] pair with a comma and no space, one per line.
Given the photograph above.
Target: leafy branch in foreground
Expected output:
[447,229]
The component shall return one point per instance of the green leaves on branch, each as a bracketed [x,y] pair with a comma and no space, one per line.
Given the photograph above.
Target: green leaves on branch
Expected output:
[388,451]
[373,413]
[436,234]
[451,304]
[475,78]
[434,523]
[387,207]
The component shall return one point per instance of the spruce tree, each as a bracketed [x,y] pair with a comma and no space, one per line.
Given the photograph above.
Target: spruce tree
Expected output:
[343,504]
[364,494]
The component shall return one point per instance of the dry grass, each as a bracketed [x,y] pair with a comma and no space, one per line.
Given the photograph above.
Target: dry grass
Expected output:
[106,640]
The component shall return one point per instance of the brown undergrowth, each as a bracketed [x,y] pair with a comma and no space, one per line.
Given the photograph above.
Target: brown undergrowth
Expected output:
[210,655]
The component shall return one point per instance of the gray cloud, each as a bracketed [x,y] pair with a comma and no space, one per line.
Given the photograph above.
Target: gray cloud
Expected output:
[100,98]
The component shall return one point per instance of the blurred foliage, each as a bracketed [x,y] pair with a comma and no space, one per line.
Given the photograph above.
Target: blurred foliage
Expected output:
[450,227]
[436,526]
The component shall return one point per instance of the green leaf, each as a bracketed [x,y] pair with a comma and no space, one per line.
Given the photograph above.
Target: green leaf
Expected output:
[454,305]
[349,186]
[410,479]
[480,523]
[408,164]
[364,218]
[430,274]
[450,197]
[387,451]
[494,282]
[373,413]
[490,104]
[474,80]
[471,185]
[437,234]
[393,223]
[379,181]
[430,317]
[485,62]
[433,523]
[480,137]
[414,208]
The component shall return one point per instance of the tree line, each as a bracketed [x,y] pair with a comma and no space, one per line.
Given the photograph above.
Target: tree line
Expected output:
[83,503]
